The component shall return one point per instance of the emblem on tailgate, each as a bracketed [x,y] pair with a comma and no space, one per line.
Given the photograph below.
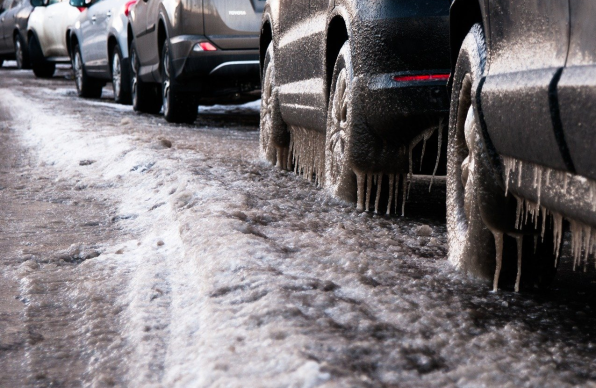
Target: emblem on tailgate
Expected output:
[237,13]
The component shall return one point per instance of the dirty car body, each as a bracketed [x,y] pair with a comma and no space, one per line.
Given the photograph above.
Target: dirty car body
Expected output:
[533,107]
[213,45]
[14,16]
[399,59]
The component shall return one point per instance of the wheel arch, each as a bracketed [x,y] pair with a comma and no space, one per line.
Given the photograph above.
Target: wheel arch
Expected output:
[337,35]
[265,38]
[463,14]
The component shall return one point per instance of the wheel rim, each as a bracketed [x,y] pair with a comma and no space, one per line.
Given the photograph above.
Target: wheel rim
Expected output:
[18,53]
[266,108]
[339,118]
[166,83]
[133,86]
[116,75]
[78,69]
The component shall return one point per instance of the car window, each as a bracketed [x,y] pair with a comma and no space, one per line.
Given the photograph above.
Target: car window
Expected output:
[55,2]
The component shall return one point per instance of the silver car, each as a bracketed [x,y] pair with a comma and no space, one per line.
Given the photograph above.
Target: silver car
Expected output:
[98,48]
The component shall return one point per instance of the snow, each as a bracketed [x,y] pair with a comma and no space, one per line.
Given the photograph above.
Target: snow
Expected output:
[231,273]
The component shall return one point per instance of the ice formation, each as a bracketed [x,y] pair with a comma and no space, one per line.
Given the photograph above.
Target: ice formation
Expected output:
[583,241]
[307,152]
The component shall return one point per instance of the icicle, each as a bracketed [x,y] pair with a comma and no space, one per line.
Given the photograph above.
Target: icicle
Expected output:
[499,259]
[539,181]
[360,177]
[423,149]
[544,213]
[391,183]
[379,183]
[509,166]
[403,204]
[368,190]
[396,195]
[520,243]
[557,234]
[519,173]
[519,212]
[565,182]
[410,172]
[440,141]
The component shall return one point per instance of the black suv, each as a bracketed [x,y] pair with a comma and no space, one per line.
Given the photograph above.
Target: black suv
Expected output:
[521,162]
[191,51]
[352,90]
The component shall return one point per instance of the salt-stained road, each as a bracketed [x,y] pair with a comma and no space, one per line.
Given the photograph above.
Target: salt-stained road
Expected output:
[136,253]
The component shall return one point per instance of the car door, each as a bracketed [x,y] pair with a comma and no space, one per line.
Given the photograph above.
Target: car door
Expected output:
[529,41]
[299,63]
[5,30]
[145,23]
[95,36]
[577,90]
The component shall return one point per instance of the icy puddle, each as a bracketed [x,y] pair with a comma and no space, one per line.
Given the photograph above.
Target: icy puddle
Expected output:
[231,273]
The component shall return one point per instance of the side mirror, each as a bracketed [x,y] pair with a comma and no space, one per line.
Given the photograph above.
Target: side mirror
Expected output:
[40,3]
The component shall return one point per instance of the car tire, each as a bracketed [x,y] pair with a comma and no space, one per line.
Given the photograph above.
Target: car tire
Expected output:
[274,138]
[178,107]
[146,97]
[480,217]
[87,87]
[21,53]
[120,77]
[340,179]
[41,67]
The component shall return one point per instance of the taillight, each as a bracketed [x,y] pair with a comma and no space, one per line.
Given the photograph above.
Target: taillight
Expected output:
[128,5]
[421,77]
[81,9]
[204,46]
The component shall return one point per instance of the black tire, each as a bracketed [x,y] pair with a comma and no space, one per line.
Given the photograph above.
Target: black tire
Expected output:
[87,87]
[480,216]
[21,52]
[145,97]
[41,67]
[120,77]
[340,179]
[274,139]
[178,107]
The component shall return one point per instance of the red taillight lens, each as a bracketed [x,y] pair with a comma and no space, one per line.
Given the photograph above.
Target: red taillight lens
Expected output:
[128,5]
[421,77]
[81,9]
[206,46]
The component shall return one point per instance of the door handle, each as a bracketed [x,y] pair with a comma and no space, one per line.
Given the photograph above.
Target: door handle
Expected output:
[109,14]
[93,19]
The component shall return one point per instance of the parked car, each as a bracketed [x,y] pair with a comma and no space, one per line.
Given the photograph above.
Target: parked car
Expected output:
[200,51]
[521,141]
[46,35]
[98,47]
[14,15]
[350,88]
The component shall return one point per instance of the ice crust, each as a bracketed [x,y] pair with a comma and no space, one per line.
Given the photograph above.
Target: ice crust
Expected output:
[234,274]
[307,154]
[583,237]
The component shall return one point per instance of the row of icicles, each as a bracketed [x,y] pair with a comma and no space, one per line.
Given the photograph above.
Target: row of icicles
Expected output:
[583,237]
[306,153]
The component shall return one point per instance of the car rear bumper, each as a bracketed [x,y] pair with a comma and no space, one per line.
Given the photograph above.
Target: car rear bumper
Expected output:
[210,70]
[399,111]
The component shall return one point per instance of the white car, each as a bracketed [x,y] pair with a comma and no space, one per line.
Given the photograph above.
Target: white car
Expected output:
[98,46]
[46,34]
